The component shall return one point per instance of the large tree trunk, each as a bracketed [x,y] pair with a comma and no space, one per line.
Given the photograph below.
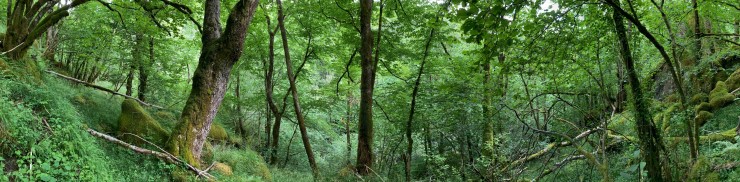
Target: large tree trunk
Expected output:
[294,89]
[367,83]
[220,51]
[650,140]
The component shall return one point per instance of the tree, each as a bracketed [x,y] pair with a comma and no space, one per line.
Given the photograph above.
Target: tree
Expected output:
[219,52]
[367,83]
[294,90]
[650,140]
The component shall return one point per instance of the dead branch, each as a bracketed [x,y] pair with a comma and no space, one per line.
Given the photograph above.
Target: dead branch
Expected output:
[161,155]
[103,89]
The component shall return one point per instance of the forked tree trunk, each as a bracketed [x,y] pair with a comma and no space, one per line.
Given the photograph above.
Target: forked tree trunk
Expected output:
[367,84]
[220,51]
[650,139]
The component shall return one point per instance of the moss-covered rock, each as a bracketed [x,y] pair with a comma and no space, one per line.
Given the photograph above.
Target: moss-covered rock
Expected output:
[702,117]
[135,120]
[218,133]
[699,98]
[704,106]
[733,81]
[702,171]
[223,169]
[720,97]
[243,162]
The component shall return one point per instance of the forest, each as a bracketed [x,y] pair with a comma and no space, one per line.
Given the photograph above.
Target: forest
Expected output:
[370,90]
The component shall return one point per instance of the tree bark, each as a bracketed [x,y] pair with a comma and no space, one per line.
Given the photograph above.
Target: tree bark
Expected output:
[693,128]
[367,83]
[277,114]
[294,90]
[650,140]
[220,51]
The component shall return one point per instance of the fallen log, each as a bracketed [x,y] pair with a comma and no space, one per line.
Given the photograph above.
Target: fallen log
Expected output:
[102,89]
[167,157]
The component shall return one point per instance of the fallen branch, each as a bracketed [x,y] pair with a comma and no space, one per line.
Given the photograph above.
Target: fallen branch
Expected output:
[103,89]
[726,166]
[161,155]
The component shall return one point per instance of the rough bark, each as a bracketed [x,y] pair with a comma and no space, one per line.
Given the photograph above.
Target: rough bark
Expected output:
[294,90]
[650,139]
[220,51]
[367,84]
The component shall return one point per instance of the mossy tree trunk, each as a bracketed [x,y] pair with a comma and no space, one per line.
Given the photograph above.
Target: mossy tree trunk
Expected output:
[294,89]
[367,83]
[650,140]
[28,20]
[220,51]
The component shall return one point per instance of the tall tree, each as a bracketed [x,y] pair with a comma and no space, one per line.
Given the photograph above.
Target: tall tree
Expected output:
[294,89]
[650,140]
[414,94]
[367,83]
[220,50]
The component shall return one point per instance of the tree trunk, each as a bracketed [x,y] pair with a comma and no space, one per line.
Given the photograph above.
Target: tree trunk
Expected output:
[129,80]
[692,127]
[52,41]
[220,51]
[367,83]
[277,114]
[346,124]
[650,139]
[409,139]
[144,70]
[294,90]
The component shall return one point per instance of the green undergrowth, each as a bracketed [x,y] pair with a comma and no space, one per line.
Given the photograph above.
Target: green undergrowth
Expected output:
[44,138]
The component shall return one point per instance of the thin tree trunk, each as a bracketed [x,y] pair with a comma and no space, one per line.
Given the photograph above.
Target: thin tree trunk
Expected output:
[693,128]
[650,139]
[367,83]
[220,51]
[643,30]
[294,89]
[415,93]
[346,125]
[144,71]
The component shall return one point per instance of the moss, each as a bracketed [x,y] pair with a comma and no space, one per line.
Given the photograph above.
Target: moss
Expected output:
[180,175]
[733,81]
[702,117]
[80,99]
[720,97]
[704,106]
[223,169]
[218,133]
[699,98]
[135,120]
[244,162]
